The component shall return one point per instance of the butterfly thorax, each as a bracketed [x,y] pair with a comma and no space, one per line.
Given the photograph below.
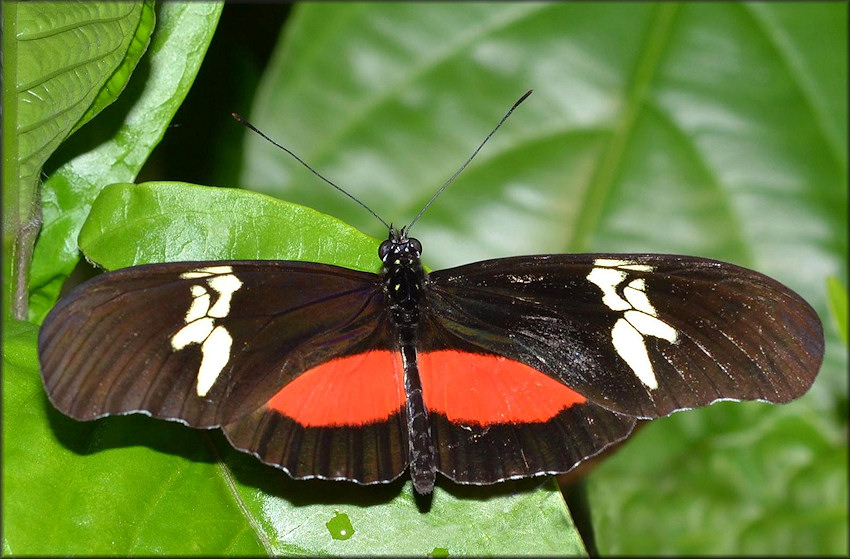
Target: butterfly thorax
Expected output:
[403,276]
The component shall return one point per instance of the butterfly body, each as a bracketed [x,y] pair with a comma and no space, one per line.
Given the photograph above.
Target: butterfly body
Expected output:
[404,281]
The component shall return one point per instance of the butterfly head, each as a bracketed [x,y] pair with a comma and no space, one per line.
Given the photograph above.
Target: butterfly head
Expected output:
[399,247]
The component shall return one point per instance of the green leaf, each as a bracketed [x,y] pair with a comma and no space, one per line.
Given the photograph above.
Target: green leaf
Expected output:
[709,129]
[838,305]
[115,146]
[777,470]
[133,224]
[514,518]
[59,57]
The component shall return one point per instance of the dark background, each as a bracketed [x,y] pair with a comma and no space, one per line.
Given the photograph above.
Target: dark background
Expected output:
[237,56]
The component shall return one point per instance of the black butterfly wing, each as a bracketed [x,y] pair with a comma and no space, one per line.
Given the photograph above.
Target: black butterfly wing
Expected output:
[212,343]
[642,335]
[621,336]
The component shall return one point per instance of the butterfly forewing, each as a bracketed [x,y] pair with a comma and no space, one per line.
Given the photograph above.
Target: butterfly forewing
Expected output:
[203,343]
[643,335]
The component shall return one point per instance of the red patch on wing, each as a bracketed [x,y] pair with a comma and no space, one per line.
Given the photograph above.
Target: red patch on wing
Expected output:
[481,389]
[355,390]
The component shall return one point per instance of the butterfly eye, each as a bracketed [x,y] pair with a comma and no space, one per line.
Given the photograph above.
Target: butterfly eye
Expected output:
[415,246]
[384,250]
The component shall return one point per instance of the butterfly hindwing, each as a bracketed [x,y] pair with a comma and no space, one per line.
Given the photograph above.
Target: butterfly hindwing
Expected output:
[484,454]
[372,452]
[643,335]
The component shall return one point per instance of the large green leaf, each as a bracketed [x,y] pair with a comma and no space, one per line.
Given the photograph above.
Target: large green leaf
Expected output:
[711,129]
[170,222]
[114,147]
[63,64]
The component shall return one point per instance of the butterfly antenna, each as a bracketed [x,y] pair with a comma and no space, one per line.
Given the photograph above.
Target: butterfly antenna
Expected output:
[468,161]
[250,126]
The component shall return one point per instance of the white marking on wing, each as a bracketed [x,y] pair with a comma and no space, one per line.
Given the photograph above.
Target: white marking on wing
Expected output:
[226,287]
[608,279]
[193,333]
[201,327]
[215,353]
[640,318]
[194,275]
[638,300]
[651,326]
[631,346]
[609,263]
[200,304]
[637,267]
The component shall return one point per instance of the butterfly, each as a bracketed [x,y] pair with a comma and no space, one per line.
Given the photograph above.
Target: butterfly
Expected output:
[490,371]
